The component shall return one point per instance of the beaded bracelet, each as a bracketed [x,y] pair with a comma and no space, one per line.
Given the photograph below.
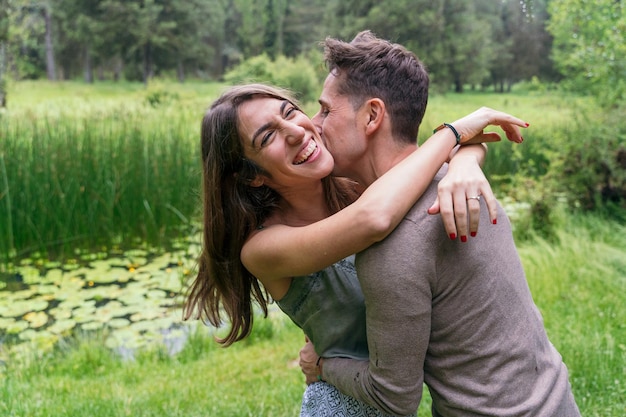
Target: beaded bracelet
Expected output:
[449,126]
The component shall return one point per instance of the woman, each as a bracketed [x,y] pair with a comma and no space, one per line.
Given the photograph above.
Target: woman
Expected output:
[273,213]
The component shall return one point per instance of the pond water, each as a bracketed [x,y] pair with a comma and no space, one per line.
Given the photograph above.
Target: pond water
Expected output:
[132,298]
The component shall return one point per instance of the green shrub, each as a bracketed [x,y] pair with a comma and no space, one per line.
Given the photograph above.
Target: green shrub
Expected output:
[296,74]
[591,167]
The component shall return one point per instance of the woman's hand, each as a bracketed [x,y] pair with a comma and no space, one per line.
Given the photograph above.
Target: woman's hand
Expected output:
[457,192]
[471,126]
[461,190]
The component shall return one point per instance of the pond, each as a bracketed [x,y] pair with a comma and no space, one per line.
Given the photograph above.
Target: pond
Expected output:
[132,298]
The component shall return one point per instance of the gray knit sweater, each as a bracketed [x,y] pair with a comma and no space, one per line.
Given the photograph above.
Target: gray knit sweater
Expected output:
[458,316]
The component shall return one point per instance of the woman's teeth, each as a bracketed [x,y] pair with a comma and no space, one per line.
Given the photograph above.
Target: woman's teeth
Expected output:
[307,153]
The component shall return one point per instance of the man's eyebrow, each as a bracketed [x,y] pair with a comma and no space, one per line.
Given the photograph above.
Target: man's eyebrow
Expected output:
[267,125]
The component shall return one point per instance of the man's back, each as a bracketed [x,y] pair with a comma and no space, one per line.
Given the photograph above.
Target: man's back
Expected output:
[464,314]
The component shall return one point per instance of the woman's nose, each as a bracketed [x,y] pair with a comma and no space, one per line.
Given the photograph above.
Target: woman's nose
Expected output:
[295,133]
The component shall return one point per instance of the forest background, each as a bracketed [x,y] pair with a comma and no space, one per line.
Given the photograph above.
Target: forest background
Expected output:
[100,102]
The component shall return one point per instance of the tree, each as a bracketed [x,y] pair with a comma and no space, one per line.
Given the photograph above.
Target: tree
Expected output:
[253,19]
[450,36]
[79,23]
[589,47]
[4,38]
[198,36]
[50,65]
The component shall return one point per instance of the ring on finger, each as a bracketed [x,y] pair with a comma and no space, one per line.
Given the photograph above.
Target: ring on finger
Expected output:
[476,197]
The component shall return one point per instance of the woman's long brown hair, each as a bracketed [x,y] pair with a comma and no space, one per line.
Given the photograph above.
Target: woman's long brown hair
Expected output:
[232,209]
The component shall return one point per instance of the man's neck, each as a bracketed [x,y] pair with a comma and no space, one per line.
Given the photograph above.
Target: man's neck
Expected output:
[381,159]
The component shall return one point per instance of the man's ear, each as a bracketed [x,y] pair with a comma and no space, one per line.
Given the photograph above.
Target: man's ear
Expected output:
[375,113]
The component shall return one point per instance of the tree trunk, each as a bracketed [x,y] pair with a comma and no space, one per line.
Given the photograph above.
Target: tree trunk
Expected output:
[118,67]
[147,63]
[3,84]
[50,67]
[180,71]
[4,37]
[88,66]
[458,85]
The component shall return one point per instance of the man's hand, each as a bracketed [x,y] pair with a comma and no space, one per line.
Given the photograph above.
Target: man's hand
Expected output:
[308,362]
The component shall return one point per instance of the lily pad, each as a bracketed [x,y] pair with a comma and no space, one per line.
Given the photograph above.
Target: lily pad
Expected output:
[5,323]
[118,323]
[30,275]
[92,325]
[84,314]
[147,314]
[21,307]
[17,327]
[52,276]
[60,313]
[36,319]
[62,326]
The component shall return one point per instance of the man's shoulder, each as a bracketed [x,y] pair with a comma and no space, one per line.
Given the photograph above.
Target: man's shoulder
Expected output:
[419,212]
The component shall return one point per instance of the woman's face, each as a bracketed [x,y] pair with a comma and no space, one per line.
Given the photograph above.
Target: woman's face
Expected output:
[283,141]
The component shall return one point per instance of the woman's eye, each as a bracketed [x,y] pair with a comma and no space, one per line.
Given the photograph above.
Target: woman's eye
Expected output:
[266,138]
[290,111]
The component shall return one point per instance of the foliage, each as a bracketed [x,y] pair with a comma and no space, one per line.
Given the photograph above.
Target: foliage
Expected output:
[296,74]
[589,47]
[591,168]
[463,42]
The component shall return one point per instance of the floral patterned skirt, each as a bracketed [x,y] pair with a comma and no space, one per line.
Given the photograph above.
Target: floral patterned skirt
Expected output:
[324,400]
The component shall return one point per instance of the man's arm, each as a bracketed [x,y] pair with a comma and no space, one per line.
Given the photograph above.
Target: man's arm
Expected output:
[394,277]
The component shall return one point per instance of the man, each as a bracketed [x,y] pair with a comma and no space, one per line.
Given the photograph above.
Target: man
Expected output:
[459,317]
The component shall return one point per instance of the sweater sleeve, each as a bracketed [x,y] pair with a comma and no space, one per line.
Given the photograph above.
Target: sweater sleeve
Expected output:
[394,276]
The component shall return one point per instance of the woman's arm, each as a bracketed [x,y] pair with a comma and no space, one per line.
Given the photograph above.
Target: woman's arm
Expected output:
[281,251]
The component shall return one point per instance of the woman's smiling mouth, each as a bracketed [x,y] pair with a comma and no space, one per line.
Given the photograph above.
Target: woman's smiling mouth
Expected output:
[306,153]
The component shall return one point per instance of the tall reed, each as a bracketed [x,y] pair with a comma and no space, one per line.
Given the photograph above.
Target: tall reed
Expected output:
[120,174]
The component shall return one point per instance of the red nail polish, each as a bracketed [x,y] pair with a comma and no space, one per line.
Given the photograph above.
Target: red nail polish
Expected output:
[494,221]
[473,234]
[463,238]
[452,236]
[527,124]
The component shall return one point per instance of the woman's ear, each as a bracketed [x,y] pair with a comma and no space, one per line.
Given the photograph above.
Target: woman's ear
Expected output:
[258,181]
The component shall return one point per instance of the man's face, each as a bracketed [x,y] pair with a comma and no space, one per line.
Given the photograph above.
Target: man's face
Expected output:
[337,122]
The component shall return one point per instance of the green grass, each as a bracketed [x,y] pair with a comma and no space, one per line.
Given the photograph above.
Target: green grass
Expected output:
[97,165]
[254,378]
[579,284]
[580,287]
